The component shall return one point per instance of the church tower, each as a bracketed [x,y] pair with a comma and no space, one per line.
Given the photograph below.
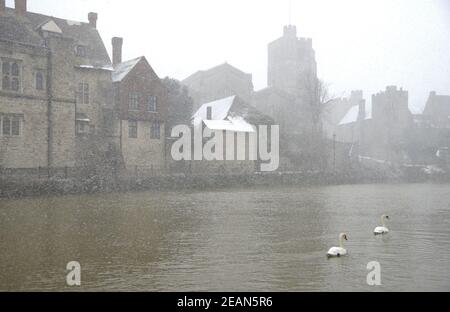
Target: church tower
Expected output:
[292,63]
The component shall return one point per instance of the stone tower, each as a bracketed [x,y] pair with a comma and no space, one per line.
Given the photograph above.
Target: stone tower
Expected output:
[292,63]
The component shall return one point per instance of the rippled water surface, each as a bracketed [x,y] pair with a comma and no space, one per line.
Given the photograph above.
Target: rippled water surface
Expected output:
[257,239]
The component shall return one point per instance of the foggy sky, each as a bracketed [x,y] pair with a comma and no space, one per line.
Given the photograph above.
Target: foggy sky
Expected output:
[359,44]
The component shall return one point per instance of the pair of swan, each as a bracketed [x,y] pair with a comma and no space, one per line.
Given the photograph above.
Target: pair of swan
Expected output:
[341,251]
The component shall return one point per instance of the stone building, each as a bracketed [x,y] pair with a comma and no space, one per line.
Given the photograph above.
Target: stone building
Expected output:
[292,98]
[141,111]
[437,109]
[56,80]
[292,63]
[391,120]
[382,132]
[335,111]
[237,122]
[292,69]
[429,140]
[219,82]
[279,105]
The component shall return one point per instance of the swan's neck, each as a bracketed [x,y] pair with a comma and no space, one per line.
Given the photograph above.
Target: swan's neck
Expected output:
[341,242]
[382,222]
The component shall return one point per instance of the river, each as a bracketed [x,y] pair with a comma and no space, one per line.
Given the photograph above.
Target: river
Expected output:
[249,239]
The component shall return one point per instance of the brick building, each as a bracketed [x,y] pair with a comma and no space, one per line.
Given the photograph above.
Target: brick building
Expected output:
[141,110]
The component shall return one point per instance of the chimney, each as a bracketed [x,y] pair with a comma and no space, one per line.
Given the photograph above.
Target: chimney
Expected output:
[21,6]
[92,17]
[209,113]
[117,50]
[2,6]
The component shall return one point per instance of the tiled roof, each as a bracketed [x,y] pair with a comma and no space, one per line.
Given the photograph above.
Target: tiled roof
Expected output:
[25,29]
[123,69]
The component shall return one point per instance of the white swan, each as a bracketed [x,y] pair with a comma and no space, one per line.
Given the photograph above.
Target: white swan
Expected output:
[338,251]
[382,229]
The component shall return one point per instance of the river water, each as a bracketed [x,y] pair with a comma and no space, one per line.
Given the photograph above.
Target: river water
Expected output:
[256,239]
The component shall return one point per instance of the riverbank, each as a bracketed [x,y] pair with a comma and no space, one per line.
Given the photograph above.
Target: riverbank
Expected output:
[25,187]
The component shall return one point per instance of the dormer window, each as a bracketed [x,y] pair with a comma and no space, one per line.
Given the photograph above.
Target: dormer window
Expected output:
[81,51]
[10,75]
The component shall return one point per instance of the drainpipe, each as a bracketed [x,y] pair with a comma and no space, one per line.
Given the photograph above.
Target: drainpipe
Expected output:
[49,107]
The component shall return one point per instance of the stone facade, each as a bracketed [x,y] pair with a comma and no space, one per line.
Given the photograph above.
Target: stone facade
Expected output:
[381,133]
[391,120]
[43,61]
[277,104]
[437,109]
[335,111]
[292,64]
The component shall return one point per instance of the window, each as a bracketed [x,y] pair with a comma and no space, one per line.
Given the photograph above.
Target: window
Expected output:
[10,76]
[14,69]
[11,125]
[83,93]
[6,68]
[156,131]
[81,51]
[15,84]
[152,104]
[134,101]
[82,127]
[82,124]
[39,80]
[5,83]
[132,129]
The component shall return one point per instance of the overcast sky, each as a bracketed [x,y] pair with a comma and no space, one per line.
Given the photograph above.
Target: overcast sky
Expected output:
[360,44]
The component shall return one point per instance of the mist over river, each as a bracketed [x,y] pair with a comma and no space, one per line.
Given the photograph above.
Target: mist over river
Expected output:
[246,239]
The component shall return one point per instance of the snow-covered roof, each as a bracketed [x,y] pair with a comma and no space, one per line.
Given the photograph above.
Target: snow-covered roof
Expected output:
[219,109]
[123,69]
[352,115]
[230,124]
[229,114]
[107,68]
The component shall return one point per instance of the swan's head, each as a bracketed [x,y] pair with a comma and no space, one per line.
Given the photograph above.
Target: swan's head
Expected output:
[343,236]
[385,217]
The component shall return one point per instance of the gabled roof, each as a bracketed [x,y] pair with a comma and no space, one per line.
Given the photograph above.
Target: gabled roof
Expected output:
[13,28]
[51,26]
[123,69]
[231,114]
[27,30]
[274,90]
[222,67]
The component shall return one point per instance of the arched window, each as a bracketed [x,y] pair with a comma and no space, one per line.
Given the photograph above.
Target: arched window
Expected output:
[15,84]
[5,83]
[39,81]
[14,69]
